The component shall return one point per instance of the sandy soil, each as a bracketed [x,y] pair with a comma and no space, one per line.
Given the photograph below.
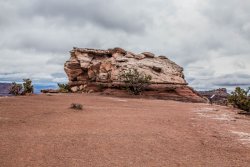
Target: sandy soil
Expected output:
[42,131]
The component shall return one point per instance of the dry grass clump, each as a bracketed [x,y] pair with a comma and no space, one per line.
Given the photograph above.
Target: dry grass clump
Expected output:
[76,106]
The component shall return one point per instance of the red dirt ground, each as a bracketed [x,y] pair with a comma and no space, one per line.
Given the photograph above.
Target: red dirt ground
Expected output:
[42,131]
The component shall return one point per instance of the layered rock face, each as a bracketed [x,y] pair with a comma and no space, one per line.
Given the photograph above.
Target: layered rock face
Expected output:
[90,68]
[105,66]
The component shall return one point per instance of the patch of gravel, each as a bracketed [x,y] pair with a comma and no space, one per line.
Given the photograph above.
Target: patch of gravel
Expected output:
[3,118]
[214,113]
[118,99]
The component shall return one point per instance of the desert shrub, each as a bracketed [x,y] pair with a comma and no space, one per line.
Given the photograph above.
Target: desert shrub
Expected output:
[76,106]
[240,99]
[16,89]
[135,81]
[100,87]
[64,88]
[27,86]
[21,89]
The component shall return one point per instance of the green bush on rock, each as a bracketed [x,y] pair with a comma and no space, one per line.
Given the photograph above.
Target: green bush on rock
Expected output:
[135,81]
[240,98]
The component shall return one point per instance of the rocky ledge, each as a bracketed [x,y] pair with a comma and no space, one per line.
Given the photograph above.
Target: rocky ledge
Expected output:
[95,70]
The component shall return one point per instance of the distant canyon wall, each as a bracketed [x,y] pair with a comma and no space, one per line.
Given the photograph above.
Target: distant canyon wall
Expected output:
[4,89]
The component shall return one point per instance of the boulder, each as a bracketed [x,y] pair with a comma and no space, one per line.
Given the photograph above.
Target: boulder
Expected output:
[148,54]
[162,57]
[130,55]
[94,66]
[106,65]
[118,50]
[117,55]
[49,91]
[140,56]
[74,89]
[103,77]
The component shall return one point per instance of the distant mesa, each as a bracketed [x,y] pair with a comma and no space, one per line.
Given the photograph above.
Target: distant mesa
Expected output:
[220,96]
[89,69]
[4,89]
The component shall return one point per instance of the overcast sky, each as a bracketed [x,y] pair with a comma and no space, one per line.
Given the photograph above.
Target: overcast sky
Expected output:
[209,38]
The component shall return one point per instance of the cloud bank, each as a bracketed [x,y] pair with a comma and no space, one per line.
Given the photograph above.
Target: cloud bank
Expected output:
[209,38]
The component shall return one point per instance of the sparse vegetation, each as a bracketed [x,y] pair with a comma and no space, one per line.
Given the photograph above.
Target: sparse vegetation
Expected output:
[76,106]
[27,86]
[135,81]
[16,89]
[240,98]
[100,87]
[64,88]
[22,89]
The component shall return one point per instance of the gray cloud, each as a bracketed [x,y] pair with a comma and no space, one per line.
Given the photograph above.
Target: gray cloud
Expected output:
[114,15]
[210,39]
[232,80]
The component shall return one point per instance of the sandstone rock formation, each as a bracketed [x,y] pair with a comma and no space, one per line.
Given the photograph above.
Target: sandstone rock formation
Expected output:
[105,66]
[90,69]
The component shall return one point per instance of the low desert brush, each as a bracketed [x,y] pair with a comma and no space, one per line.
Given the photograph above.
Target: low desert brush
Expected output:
[135,81]
[76,106]
[240,98]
